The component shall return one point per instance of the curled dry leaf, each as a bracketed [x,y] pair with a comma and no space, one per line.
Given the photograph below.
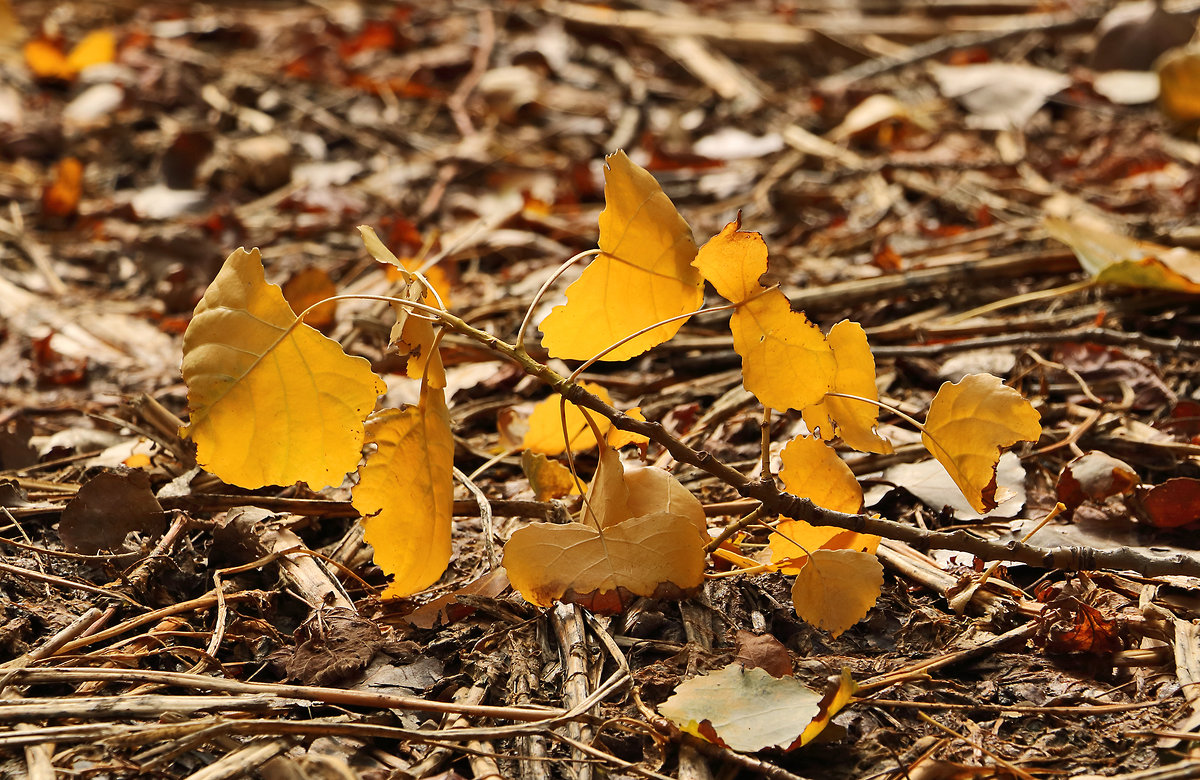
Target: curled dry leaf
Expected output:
[642,535]
[743,709]
[1115,259]
[968,424]
[786,361]
[836,588]
[271,400]
[405,492]
[1094,476]
[642,276]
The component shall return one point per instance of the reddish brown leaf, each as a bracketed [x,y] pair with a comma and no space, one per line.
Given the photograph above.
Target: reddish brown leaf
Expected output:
[1174,503]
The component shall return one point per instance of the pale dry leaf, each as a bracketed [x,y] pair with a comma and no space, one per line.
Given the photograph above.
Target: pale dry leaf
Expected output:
[743,709]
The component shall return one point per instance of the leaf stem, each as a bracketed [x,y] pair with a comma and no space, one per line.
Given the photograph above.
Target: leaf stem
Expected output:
[542,291]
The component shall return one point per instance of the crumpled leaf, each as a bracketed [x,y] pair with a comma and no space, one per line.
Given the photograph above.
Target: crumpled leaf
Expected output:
[548,478]
[271,400]
[968,424]
[813,470]
[929,481]
[614,554]
[405,492]
[1116,259]
[854,421]
[792,538]
[1094,476]
[786,361]
[643,276]
[743,709]
[999,95]
[108,507]
[836,588]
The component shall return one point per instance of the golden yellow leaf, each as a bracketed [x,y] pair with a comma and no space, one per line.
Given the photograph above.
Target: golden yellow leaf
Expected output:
[1179,83]
[792,538]
[405,492]
[618,438]
[786,361]
[272,401]
[1116,259]
[831,705]
[643,276]
[414,336]
[968,424]
[548,478]
[732,261]
[96,48]
[813,470]
[613,555]
[853,420]
[836,588]
[545,434]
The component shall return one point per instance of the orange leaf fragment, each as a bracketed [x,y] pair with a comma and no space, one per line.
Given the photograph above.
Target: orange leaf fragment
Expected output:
[853,420]
[836,588]
[405,492]
[97,48]
[61,197]
[308,288]
[786,361]
[1116,259]
[968,425]
[47,61]
[1174,503]
[643,275]
[618,438]
[272,401]
[614,554]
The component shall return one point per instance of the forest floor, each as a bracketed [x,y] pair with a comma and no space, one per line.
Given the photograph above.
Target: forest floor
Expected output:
[157,622]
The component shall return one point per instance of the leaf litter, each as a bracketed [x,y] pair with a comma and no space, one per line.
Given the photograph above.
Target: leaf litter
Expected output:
[487,174]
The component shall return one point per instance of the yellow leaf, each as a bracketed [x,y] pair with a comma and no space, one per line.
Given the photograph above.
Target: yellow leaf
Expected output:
[732,261]
[968,424]
[1116,259]
[643,276]
[836,588]
[96,48]
[272,401]
[831,705]
[618,438]
[405,492]
[855,375]
[613,555]
[1179,83]
[545,434]
[414,336]
[813,470]
[786,361]
[794,539]
[548,478]
[744,709]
